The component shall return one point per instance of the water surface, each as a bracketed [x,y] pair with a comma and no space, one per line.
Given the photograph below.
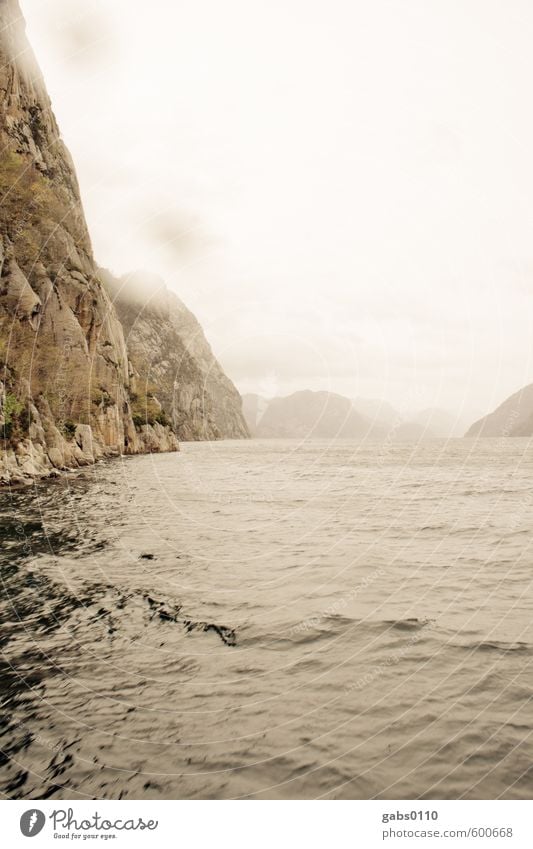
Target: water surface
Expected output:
[272,620]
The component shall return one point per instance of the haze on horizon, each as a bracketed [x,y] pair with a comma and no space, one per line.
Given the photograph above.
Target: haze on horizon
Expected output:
[340,192]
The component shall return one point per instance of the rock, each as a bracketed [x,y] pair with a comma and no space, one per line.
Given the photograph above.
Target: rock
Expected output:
[55,455]
[84,441]
[74,392]
[17,296]
[168,349]
[66,346]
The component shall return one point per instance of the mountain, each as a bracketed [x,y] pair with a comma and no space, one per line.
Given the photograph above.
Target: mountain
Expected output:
[69,390]
[403,427]
[171,356]
[325,414]
[378,410]
[438,423]
[309,414]
[512,418]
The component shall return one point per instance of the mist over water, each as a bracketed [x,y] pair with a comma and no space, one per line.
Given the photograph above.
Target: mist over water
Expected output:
[272,619]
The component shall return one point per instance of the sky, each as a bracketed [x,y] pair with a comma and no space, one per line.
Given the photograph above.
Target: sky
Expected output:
[341,191]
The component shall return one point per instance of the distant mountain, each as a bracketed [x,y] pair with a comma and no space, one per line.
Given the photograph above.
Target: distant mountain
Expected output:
[308,414]
[404,429]
[512,418]
[438,423]
[327,414]
[253,407]
[378,410]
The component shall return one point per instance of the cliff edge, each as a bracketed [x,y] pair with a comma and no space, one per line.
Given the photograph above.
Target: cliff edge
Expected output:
[70,392]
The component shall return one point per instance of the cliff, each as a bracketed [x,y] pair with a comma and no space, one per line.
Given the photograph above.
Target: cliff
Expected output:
[65,374]
[512,418]
[70,392]
[171,356]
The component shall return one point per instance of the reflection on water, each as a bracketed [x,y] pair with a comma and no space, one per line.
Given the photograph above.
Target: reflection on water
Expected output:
[339,620]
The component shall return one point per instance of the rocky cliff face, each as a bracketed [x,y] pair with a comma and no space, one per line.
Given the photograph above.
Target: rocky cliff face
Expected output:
[173,359]
[512,418]
[64,368]
[69,391]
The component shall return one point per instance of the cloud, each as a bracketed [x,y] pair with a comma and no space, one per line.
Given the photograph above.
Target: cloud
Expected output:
[179,232]
[81,35]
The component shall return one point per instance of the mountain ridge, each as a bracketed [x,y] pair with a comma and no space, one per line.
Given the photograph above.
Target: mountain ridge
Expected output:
[512,418]
[330,415]
[306,414]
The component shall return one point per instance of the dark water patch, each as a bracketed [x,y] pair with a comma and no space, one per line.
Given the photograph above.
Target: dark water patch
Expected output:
[413,623]
[173,614]
[46,629]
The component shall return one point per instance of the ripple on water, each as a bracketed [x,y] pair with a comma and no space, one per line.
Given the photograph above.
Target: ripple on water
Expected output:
[351,626]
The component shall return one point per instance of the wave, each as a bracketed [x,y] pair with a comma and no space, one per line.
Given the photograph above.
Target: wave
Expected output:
[498,645]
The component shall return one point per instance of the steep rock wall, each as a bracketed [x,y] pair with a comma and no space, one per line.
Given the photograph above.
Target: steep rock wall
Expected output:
[172,358]
[64,370]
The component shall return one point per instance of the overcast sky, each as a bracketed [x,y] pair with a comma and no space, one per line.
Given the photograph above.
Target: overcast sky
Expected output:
[341,191]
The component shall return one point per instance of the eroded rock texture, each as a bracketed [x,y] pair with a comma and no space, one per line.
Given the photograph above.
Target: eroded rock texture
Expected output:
[171,356]
[70,393]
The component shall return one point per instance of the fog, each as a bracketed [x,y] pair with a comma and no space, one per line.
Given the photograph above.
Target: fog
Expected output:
[340,191]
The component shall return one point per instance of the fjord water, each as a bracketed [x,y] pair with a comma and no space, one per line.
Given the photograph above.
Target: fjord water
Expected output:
[272,620]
